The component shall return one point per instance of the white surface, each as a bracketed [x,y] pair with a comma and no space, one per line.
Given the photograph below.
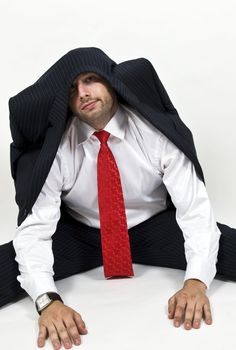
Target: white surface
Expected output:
[192,46]
[127,314]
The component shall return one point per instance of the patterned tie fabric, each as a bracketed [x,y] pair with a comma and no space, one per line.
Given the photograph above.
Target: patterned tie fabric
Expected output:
[116,253]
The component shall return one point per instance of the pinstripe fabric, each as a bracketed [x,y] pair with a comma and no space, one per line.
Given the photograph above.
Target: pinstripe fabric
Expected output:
[157,241]
[38,114]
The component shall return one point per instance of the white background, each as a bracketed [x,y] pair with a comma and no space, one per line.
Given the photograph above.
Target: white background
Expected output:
[192,46]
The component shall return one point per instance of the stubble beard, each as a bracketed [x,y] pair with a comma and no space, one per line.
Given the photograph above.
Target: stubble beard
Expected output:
[99,117]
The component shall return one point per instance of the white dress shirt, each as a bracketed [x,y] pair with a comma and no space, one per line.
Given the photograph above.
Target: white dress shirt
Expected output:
[149,165]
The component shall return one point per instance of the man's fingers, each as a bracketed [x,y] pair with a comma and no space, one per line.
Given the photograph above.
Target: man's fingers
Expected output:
[42,336]
[73,331]
[53,335]
[68,332]
[189,315]
[179,311]
[198,316]
[80,323]
[207,313]
[171,307]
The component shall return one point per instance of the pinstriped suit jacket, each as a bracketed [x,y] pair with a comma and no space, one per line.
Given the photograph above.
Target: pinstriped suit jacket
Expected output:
[39,113]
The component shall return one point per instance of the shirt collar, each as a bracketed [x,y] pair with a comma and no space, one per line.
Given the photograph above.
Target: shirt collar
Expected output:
[116,126]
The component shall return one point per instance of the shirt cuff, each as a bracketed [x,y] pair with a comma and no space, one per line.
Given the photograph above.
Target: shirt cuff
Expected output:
[37,283]
[203,270]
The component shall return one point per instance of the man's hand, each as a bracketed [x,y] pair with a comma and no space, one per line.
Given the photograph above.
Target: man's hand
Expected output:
[62,324]
[189,305]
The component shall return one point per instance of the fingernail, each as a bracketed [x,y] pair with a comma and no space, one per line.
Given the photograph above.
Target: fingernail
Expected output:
[177,324]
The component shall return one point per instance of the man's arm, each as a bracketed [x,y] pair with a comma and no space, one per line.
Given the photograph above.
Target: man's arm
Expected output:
[33,246]
[195,217]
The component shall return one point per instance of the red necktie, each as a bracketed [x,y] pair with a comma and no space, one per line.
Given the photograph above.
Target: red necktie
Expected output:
[116,253]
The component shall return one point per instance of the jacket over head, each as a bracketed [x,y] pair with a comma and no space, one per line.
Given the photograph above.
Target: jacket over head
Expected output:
[39,113]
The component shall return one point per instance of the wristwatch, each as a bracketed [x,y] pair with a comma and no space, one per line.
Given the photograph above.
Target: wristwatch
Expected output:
[46,299]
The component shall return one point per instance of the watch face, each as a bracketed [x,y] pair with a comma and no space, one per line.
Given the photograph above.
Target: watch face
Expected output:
[42,301]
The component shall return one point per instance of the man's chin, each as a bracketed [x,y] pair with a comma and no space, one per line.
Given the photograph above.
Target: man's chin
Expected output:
[91,116]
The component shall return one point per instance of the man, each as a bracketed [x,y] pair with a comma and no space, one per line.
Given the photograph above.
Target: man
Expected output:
[57,126]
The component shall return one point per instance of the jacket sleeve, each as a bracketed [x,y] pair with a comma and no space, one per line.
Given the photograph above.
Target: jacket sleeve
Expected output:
[23,154]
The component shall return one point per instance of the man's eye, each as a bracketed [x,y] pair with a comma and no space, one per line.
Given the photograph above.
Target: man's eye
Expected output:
[91,78]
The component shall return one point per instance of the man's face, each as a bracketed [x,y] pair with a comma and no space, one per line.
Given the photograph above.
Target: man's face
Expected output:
[92,99]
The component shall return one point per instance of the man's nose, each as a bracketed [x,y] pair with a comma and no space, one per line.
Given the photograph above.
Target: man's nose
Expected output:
[82,91]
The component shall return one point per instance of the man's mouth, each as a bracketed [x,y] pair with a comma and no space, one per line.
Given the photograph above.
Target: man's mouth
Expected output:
[89,105]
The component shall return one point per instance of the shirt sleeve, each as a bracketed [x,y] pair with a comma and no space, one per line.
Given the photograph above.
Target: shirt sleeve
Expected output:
[194,213]
[33,242]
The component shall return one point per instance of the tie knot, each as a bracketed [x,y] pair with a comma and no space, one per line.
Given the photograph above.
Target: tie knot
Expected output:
[102,136]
